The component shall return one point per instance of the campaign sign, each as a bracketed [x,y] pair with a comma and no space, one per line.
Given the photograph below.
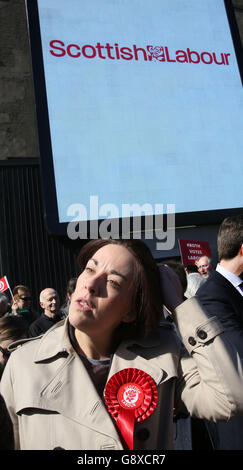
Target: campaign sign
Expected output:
[191,250]
[137,103]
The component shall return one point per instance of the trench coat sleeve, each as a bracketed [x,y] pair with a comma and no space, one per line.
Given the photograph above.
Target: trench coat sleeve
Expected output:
[6,389]
[210,380]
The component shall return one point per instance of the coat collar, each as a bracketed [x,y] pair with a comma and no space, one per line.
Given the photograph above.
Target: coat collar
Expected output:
[49,344]
[56,341]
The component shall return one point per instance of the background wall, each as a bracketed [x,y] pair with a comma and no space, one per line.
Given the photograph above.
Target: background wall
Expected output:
[18,131]
[29,255]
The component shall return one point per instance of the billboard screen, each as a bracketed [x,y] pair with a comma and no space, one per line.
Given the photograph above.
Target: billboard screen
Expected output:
[139,104]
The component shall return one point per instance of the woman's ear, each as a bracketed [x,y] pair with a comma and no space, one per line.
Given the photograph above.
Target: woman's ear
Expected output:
[129,317]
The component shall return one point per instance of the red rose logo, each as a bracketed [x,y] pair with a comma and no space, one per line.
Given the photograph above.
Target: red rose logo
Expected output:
[157,53]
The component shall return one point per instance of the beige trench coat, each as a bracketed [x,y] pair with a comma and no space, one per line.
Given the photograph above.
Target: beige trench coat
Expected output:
[53,403]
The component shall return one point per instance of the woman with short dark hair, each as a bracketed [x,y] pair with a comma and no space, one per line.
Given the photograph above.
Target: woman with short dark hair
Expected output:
[112,374]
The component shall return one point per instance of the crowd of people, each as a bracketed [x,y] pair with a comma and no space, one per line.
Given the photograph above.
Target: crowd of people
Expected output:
[18,319]
[142,355]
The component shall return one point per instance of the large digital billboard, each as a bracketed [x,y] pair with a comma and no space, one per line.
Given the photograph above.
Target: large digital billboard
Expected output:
[139,105]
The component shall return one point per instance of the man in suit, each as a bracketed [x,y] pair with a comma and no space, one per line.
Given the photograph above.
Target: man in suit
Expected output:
[222,295]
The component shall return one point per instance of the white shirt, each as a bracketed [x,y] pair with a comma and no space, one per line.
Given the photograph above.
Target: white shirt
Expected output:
[231,277]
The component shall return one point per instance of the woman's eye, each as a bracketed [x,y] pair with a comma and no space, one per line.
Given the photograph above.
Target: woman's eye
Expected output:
[114,283]
[88,269]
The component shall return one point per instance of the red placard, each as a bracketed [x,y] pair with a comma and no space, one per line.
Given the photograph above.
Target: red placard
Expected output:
[192,250]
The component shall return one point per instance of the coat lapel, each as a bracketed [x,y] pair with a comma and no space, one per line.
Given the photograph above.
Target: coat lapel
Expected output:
[221,280]
[68,388]
[235,298]
[77,399]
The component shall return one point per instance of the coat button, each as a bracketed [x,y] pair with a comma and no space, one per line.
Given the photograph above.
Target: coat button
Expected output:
[143,434]
[202,334]
[191,341]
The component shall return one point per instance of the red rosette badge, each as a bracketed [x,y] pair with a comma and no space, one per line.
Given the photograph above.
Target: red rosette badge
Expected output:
[131,397]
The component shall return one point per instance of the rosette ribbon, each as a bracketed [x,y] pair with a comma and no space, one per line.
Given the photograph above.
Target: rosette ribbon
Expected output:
[131,397]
